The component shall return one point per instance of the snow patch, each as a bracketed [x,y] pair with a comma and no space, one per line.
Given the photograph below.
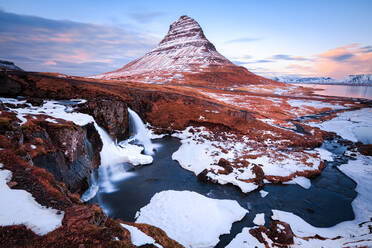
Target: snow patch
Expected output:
[18,207]
[139,238]
[191,219]
[259,219]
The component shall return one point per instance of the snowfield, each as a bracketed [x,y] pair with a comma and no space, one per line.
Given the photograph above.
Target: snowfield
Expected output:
[18,207]
[191,219]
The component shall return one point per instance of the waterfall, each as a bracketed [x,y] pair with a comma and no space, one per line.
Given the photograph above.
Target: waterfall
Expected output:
[114,157]
[141,134]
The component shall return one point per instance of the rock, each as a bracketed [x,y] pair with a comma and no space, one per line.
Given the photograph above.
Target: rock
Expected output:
[110,114]
[35,101]
[72,153]
[280,232]
[8,86]
[226,165]
[260,175]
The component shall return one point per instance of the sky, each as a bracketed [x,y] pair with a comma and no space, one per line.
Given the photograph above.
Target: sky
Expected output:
[269,37]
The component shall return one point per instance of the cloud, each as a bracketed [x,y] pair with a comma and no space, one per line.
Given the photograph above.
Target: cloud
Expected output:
[39,44]
[338,63]
[145,17]
[288,57]
[242,40]
[262,61]
[239,62]
[367,49]
[345,60]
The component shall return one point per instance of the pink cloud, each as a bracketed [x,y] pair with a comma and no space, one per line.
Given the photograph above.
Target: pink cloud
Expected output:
[342,61]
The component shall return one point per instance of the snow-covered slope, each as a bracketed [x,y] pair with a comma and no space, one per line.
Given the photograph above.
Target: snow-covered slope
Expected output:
[361,79]
[183,47]
[8,65]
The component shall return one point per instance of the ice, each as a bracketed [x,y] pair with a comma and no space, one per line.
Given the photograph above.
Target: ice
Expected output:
[18,207]
[191,219]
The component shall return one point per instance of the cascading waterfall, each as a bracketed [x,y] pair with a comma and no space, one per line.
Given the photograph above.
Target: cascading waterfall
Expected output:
[141,133]
[115,156]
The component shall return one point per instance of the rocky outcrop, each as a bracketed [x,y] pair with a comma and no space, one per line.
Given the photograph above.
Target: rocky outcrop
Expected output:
[8,65]
[67,151]
[279,233]
[110,114]
[8,86]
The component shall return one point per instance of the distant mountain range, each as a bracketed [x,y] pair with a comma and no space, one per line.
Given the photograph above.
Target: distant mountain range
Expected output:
[8,65]
[360,79]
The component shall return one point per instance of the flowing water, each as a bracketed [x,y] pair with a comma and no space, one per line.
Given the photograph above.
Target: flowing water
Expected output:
[325,204]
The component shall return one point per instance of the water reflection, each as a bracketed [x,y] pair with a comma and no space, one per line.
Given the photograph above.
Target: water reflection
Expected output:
[341,90]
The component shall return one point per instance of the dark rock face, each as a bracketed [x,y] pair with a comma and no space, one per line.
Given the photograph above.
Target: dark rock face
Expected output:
[111,115]
[8,86]
[75,154]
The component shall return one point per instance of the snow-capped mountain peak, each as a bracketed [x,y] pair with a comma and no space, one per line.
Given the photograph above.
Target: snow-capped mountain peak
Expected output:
[184,47]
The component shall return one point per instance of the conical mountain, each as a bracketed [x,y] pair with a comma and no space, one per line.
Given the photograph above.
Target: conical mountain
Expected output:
[184,54]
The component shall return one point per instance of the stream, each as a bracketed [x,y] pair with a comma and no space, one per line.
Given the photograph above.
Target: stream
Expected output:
[325,204]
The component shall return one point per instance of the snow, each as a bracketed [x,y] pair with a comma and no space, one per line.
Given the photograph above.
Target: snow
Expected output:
[245,240]
[315,104]
[18,207]
[361,79]
[197,154]
[200,151]
[191,219]
[259,219]
[324,154]
[352,125]
[139,238]
[301,181]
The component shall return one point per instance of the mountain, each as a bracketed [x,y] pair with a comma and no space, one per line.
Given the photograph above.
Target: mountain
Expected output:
[360,79]
[184,55]
[8,65]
